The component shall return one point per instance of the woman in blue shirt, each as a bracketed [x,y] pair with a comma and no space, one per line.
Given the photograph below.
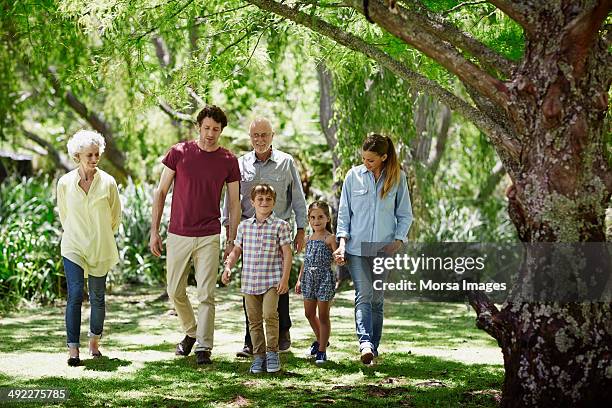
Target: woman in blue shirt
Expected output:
[374,210]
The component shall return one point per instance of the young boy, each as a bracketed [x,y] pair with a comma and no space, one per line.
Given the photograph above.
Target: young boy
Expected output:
[265,242]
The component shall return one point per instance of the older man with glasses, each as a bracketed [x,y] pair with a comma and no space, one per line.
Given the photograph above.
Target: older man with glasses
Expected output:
[265,164]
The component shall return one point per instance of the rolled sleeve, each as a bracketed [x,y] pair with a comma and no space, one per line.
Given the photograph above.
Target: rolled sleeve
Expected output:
[403,210]
[344,209]
[298,201]
[284,234]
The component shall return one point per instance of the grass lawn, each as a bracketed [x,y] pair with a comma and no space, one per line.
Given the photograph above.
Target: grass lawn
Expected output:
[431,355]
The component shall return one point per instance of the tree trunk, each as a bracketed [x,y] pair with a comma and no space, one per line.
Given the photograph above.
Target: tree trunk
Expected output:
[558,354]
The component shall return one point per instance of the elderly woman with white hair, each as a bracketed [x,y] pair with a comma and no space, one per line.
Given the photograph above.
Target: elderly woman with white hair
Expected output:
[90,213]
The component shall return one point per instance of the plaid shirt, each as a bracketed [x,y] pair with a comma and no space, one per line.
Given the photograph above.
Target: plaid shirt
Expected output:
[262,259]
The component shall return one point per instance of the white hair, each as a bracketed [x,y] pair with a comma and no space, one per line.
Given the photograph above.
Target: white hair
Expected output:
[82,140]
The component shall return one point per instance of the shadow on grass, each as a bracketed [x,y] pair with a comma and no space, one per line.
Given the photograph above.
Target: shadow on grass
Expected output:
[104,364]
[398,380]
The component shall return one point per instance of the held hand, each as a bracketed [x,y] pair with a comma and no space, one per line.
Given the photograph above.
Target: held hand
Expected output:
[339,255]
[225,278]
[155,244]
[300,241]
[298,288]
[282,287]
[391,248]
[228,249]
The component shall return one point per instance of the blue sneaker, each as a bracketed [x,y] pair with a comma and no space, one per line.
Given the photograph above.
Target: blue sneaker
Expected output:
[259,365]
[273,362]
[321,358]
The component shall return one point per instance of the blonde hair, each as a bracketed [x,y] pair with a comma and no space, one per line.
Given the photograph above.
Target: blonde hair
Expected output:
[382,145]
[83,139]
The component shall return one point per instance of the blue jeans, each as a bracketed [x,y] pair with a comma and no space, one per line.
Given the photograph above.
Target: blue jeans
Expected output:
[75,280]
[369,303]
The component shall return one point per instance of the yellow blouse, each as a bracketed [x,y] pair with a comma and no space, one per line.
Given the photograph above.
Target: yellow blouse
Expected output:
[90,221]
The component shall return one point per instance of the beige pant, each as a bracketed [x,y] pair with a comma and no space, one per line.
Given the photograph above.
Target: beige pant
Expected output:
[205,254]
[262,308]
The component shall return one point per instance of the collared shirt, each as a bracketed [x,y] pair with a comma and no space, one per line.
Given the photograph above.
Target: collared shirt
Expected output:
[363,217]
[90,221]
[280,172]
[262,258]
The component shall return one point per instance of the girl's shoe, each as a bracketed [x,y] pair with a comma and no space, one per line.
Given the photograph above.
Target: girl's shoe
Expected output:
[314,348]
[321,358]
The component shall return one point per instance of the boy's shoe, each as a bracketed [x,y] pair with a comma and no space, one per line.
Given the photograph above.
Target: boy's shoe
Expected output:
[259,365]
[284,341]
[321,357]
[203,357]
[246,352]
[367,355]
[185,346]
[273,362]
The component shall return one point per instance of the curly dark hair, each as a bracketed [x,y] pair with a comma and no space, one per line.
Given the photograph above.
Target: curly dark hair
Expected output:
[214,112]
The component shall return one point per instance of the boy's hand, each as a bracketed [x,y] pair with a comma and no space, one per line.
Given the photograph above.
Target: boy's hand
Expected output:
[225,278]
[298,288]
[282,287]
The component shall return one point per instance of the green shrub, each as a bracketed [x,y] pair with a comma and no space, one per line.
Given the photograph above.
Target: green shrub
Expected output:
[30,262]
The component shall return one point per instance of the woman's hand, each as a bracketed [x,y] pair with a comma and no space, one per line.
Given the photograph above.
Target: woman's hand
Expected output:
[339,255]
[393,247]
[298,288]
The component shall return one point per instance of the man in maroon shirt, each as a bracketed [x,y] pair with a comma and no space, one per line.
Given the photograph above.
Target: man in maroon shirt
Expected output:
[199,169]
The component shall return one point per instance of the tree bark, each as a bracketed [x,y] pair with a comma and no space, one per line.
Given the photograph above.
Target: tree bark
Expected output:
[558,354]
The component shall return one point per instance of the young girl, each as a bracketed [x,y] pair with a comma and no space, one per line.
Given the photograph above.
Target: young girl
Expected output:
[317,280]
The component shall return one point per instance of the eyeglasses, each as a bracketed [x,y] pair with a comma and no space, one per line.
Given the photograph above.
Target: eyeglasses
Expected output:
[265,134]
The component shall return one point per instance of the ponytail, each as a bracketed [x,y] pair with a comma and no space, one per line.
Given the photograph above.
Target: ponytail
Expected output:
[382,145]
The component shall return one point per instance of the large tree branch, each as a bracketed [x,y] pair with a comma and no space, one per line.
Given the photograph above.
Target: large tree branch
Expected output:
[407,26]
[175,115]
[113,153]
[58,159]
[518,12]
[439,27]
[506,143]
[487,314]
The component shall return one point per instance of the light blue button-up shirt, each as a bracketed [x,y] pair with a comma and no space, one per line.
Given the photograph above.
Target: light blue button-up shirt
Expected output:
[280,172]
[363,217]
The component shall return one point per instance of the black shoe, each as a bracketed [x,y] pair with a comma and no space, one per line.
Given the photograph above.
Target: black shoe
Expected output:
[203,357]
[246,352]
[284,341]
[185,346]
[74,361]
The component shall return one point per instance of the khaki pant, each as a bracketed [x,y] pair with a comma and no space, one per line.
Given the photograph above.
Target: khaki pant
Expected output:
[262,308]
[205,254]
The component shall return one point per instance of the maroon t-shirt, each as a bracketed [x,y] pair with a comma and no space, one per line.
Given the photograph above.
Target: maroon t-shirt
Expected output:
[198,183]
